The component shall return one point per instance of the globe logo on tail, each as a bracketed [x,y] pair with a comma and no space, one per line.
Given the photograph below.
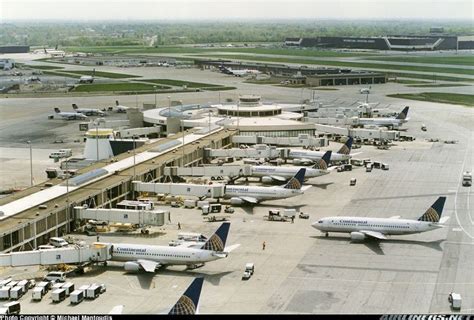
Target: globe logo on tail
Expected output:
[184,306]
[431,215]
[214,243]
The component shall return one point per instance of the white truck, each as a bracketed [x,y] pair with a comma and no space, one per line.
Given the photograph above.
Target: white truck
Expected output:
[467,179]
[61,153]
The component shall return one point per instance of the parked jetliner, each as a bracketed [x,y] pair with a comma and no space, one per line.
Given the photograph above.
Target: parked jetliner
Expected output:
[253,195]
[387,122]
[306,156]
[363,227]
[151,257]
[238,73]
[67,115]
[270,174]
[119,108]
[88,112]
[188,303]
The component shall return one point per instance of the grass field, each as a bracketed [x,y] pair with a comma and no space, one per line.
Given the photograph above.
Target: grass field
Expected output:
[177,49]
[43,67]
[437,85]
[347,64]
[178,83]
[455,60]
[407,81]
[103,74]
[101,87]
[62,74]
[451,98]
[429,77]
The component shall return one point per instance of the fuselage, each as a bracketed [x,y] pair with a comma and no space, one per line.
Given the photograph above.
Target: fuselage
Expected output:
[90,112]
[161,254]
[315,155]
[285,172]
[260,193]
[382,121]
[382,225]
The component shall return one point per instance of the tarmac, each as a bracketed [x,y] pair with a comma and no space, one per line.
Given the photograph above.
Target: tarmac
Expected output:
[300,270]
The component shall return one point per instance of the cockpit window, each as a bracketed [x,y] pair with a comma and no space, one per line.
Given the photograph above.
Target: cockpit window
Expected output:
[320,221]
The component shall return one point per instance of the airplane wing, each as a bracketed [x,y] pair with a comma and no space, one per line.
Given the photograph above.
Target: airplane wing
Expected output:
[278,178]
[374,234]
[395,217]
[249,199]
[231,248]
[354,154]
[147,265]
[304,188]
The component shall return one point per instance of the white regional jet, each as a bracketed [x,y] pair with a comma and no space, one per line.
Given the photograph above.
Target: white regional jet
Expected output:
[253,194]
[271,174]
[387,122]
[67,115]
[363,227]
[88,112]
[150,257]
[301,157]
[120,108]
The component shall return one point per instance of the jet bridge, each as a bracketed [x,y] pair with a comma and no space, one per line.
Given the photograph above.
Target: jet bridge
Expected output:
[69,255]
[302,140]
[181,189]
[209,171]
[140,217]
[255,153]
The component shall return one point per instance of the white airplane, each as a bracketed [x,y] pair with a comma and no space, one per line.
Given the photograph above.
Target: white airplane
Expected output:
[387,122]
[119,108]
[150,257]
[67,115]
[363,227]
[187,304]
[239,73]
[271,174]
[86,79]
[253,194]
[301,157]
[88,112]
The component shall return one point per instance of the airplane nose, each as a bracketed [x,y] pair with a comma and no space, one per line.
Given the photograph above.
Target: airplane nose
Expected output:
[315,225]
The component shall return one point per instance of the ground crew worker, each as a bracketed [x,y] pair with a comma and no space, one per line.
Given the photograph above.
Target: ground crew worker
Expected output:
[292,219]
[263,245]
[97,238]
[179,226]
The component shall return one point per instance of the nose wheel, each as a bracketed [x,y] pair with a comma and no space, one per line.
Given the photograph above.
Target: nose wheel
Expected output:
[326,234]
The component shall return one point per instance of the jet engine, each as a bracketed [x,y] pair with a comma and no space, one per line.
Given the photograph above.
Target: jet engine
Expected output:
[236,201]
[357,236]
[301,162]
[267,179]
[131,266]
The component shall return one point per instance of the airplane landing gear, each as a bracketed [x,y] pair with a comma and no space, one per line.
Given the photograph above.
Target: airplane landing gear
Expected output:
[326,234]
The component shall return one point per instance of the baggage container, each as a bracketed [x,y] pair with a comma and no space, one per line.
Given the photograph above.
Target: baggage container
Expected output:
[11,308]
[93,291]
[16,293]
[189,203]
[5,292]
[69,287]
[76,296]
[58,295]
[37,293]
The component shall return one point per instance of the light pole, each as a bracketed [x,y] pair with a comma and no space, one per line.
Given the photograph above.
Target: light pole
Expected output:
[31,162]
[154,89]
[182,129]
[134,170]
[97,139]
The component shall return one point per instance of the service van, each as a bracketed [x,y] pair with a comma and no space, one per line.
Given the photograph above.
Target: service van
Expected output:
[58,242]
[56,276]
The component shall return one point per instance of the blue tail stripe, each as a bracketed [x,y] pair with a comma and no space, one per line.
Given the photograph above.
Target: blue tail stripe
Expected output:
[327,156]
[297,181]
[404,113]
[188,302]
[217,241]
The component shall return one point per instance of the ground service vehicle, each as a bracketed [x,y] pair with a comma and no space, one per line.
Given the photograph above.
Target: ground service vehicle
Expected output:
[56,276]
[467,179]
[11,308]
[58,295]
[76,296]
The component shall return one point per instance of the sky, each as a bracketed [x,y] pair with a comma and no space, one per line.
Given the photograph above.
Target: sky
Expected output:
[159,10]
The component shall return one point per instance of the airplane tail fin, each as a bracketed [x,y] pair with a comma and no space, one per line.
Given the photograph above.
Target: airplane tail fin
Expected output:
[323,163]
[217,241]
[346,148]
[403,115]
[188,302]
[116,103]
[74,106]
[57,110]
[297,181]
[433,214]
